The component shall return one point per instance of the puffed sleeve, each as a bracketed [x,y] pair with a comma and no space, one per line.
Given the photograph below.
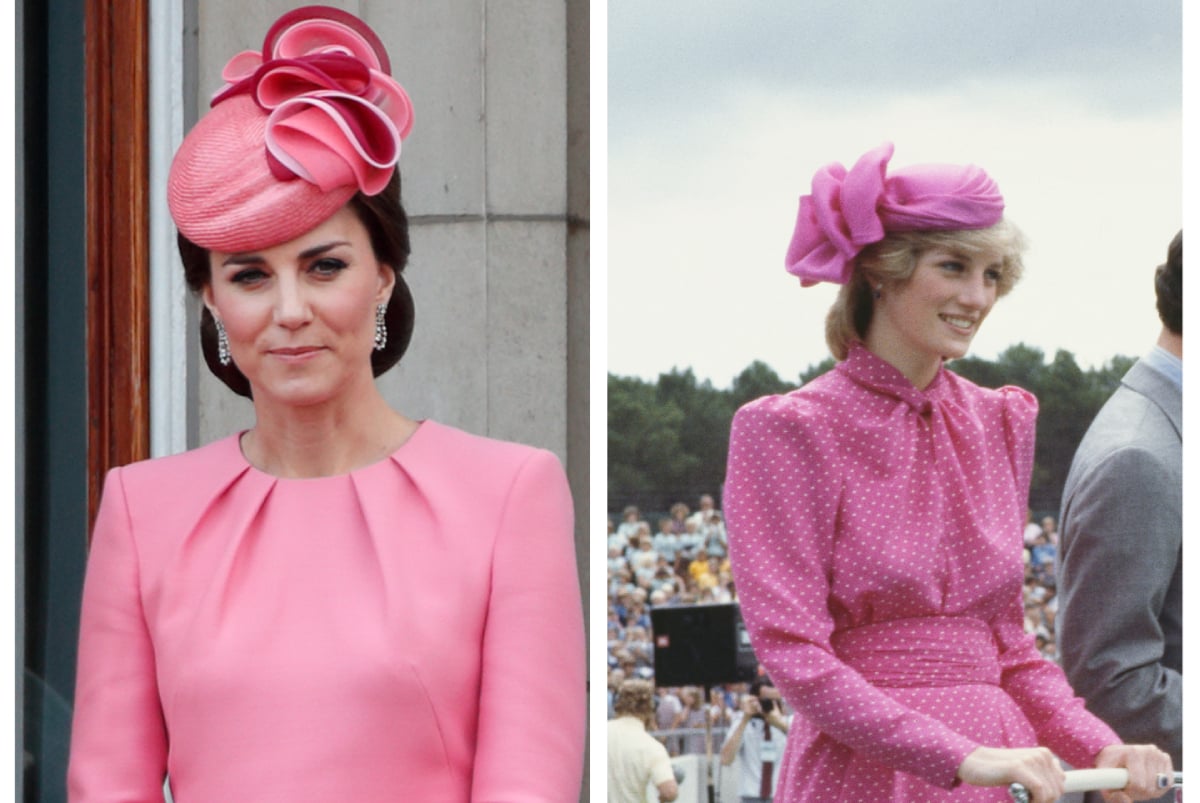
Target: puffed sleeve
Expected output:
[781,498]
[1037,685]
[118,738]
[533,698]
[1020,409]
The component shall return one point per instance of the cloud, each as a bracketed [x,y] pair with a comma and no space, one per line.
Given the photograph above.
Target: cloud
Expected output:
[1117,57]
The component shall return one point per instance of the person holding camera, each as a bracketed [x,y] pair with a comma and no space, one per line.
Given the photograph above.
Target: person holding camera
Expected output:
[756,738]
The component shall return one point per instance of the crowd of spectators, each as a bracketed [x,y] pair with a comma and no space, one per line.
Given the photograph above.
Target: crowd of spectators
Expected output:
[685,561]
[1041,597]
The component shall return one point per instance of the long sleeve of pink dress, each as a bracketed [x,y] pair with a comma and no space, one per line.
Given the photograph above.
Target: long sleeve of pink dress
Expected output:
[409,631]
[875,536]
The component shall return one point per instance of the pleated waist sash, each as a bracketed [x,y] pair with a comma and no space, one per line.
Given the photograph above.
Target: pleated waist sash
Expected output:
[922,651]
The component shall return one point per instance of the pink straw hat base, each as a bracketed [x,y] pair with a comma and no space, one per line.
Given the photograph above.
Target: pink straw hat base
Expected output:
[223,194]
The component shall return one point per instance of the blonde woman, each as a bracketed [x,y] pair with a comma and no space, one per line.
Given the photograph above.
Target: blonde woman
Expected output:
[875,516]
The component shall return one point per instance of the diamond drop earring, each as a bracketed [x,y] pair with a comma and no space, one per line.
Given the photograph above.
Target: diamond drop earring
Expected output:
[380,327]
[222,343]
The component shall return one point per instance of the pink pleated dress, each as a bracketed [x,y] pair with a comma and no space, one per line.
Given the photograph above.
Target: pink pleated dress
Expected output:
[875,533]
[410,631]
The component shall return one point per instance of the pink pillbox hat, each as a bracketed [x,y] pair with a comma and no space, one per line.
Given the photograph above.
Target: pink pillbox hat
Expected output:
[296,131]
[849,210]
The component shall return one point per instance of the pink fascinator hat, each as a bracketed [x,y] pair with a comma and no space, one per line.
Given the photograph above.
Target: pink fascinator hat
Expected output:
[851,209]
[294,133]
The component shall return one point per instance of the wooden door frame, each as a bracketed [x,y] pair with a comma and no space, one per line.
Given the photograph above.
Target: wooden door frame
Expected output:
[118,235]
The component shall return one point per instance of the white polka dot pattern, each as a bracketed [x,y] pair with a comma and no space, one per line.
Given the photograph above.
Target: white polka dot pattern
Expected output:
[859,501]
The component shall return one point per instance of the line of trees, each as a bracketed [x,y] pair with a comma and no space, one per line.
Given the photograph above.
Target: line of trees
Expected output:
[667,440]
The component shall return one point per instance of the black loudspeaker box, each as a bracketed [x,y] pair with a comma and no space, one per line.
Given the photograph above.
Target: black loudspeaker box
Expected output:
[701,645]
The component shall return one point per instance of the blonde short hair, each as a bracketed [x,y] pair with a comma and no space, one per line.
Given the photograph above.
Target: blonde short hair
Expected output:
[891,261]
[635,698]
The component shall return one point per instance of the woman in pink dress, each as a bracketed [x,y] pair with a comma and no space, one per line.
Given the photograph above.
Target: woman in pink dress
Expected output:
[875,516]
[341,603]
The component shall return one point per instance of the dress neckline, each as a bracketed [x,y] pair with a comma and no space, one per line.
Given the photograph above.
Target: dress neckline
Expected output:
[868,369]
[394,456]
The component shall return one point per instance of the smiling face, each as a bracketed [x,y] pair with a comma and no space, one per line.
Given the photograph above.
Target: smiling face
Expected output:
[300,316]
[935,313]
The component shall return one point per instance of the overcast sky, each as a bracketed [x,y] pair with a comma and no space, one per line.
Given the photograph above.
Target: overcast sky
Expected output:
[720,113]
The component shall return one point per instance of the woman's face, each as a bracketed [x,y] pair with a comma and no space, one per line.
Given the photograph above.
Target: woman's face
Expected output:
[936,313]
[300,316]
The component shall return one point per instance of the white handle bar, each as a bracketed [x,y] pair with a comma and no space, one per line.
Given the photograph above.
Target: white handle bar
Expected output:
[1093,781]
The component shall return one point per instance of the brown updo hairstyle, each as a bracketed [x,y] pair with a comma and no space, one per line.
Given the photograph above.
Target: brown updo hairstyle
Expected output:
[387,225]
[891,262]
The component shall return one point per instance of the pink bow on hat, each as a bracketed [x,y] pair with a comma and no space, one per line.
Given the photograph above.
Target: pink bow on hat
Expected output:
[336,117]
[849,210]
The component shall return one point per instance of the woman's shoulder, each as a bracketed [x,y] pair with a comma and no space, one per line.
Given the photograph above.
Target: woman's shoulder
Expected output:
[457,448]
[474,482]
[446,454]
[214,463]
[1013,396]
[812,403]
[1015,402]
[170,494]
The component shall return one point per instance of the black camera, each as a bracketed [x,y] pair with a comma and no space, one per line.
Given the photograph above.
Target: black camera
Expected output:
[767,703]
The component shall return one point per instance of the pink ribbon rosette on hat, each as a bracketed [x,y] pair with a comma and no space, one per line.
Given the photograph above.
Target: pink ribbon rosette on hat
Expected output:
[851,209]
[336,115]
[298,128]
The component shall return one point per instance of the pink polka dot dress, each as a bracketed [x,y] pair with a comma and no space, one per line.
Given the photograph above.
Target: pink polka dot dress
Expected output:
[875,534]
